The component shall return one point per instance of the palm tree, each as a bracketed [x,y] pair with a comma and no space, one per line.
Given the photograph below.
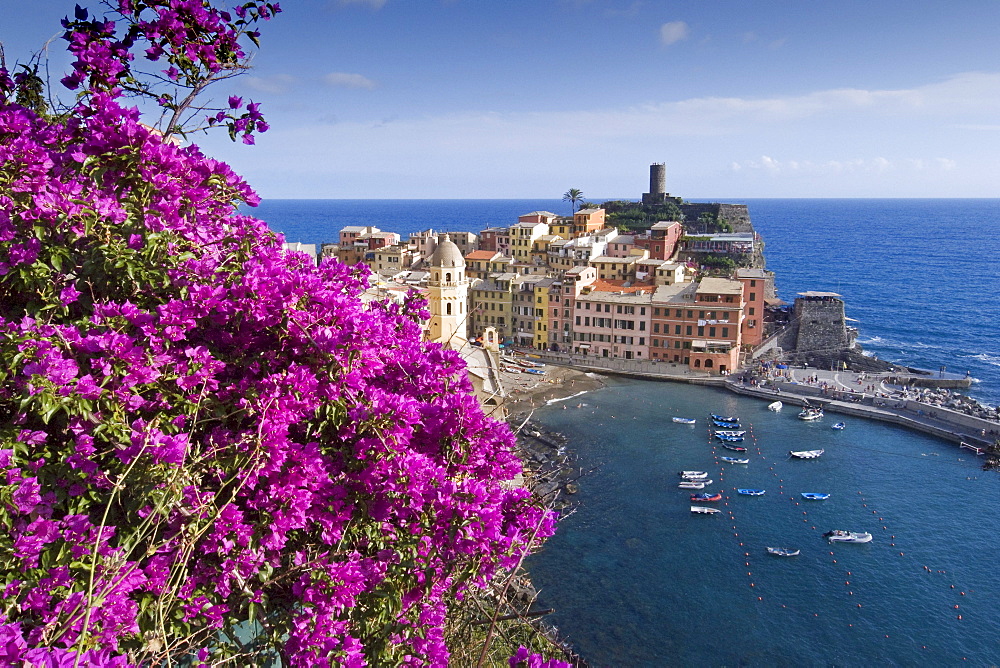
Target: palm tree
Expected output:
[573,195]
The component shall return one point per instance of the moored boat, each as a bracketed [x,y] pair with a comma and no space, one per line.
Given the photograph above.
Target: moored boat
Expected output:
[704,510]
[811,414]
[706,496]
[815,496]
[726,425]
[839,426]
[841,536]
[774,406]
[691,484]
[750,492]
[693,475]
[783,551]
[684,420]
[730,432]
[734,460]
[725,418]
[734,448]
[806,454]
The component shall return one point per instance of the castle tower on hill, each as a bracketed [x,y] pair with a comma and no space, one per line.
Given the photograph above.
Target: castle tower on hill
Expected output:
[657,185]
[447,295]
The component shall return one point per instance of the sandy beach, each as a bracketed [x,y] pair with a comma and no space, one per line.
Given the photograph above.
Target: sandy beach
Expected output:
[528,391]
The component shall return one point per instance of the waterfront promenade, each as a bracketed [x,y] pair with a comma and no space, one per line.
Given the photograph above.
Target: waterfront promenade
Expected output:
[882,396]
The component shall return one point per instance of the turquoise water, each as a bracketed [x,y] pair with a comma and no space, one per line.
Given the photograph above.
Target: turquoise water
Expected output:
[637,580]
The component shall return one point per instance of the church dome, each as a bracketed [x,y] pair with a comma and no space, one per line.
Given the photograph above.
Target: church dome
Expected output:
[447,254]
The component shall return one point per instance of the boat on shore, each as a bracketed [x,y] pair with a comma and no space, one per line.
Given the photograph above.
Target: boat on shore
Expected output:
[815,496]
[839,426]
[706,496]
[783,551]
[806,454]
[734,460]
[774,406]
[841,536]
[704,510]
[684,420]
[750,492]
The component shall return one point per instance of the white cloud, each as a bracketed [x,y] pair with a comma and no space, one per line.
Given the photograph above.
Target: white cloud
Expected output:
[348,80]
[673,32]
[877,165]
[278,83]
[374,4]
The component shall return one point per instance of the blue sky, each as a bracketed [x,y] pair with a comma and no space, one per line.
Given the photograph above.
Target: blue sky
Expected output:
[527,98]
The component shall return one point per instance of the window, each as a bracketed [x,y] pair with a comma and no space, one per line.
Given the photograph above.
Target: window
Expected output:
[753,296]
[750,311]
[711,331]
[577,320]
[701,331]
[656,311]
[642,325]
[656,328]
[447,309]
[725,332]
[753,284]
[688,330]
[677,330]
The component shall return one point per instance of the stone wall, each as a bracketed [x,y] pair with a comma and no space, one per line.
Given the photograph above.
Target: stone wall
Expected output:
[821,325]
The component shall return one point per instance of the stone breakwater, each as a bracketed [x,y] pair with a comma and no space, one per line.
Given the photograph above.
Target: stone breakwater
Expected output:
[892,397]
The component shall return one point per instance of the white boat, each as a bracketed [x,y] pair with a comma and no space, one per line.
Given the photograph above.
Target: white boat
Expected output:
[839,426]
[811,414]
[693,475]
[840,536]
[783,551]
[734,460]
[684,420]
[815,496]
[704,510]
[723,433]
[774,406]
[691,484]
[806,454]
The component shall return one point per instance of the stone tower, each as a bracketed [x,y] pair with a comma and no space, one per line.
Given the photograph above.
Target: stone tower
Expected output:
[447,295]
[657,184]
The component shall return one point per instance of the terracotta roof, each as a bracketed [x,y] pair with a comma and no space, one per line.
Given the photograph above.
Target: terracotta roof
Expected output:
[481,255]
[603,285]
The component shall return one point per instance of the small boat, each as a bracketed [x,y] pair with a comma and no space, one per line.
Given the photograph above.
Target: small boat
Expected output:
[690,484]
[806,454]
[694,475]
[783,551]
[684,420]
[730,432]
[537,372]
[706,496]
[751,492]
[815,496]
[734,460]
[734,448]
[840,536]
[811,414]
[704,510]
[726,425]
[774,406]
[839,426]
[730,439]
[725,418]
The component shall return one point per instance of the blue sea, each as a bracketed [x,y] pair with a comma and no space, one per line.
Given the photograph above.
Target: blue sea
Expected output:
[637,581]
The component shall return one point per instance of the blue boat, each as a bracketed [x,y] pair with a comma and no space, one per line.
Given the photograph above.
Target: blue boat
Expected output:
[839,426]
[725,418]
[730,439]
[751,492]
[726,425]
[734,460]
[815,496]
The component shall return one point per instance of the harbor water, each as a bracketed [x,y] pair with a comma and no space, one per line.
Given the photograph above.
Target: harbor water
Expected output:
[636,579]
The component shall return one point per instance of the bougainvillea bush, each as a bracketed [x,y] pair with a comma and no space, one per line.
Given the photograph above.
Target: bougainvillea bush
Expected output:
[210,449]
